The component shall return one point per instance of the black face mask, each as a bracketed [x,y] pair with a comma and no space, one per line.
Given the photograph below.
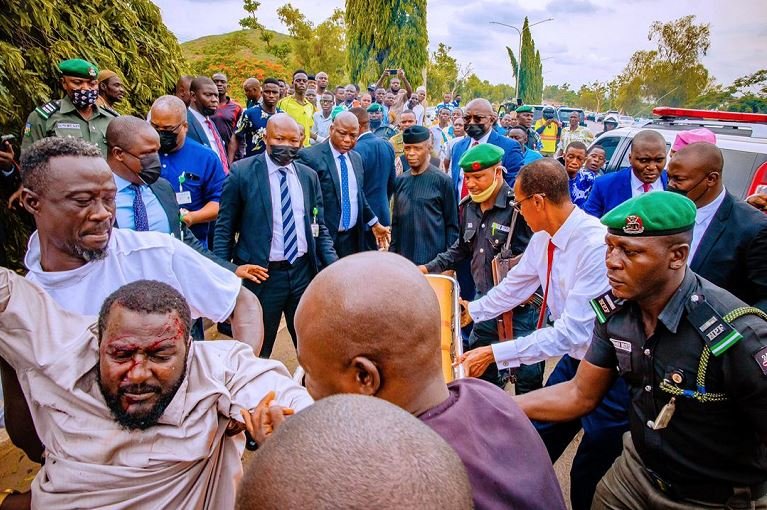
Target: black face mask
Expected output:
[475,131]
[207,111]
[84,98]
[686,193]
[168,140]
[283,154]
[150,168]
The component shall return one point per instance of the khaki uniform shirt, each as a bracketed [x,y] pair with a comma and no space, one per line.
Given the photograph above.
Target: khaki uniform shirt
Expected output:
[184,461]
[61,118]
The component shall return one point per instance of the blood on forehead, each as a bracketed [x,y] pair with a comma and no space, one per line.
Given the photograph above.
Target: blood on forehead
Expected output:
[172,331]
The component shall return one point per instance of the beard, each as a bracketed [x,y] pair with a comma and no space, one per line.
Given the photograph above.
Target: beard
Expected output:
[90,255]
[142,421]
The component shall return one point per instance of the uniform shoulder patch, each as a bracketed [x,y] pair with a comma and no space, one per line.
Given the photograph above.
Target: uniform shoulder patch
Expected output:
[715,331]
[464,200]
[48,109]
[760,357]
[606,305]
[110,111]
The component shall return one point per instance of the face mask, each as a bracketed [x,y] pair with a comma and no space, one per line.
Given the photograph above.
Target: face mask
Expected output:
[375,124]
[475,131]
[207,111]
[484,195]
[84,98]
[150,168]
[686,193]
[283,154]
[168,140]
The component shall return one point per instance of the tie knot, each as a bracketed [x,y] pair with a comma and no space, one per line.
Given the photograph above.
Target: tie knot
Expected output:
[135,187]
[341,157]
[282,170]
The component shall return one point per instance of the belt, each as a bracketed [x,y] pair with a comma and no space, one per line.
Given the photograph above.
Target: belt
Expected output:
[284,264]
[708,493]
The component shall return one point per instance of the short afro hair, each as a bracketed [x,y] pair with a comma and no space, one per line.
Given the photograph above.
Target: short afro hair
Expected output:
[150,297]
[547,176]
[35,161]
[576,145]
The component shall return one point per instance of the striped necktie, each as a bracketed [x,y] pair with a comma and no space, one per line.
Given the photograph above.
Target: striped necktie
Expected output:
[140,218]
[289,237]
[346,203]
[219,145]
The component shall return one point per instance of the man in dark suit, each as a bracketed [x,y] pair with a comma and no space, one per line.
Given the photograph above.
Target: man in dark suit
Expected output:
[272,218]
[648,158]
[201,129]
[378,163]
[729,240]
[347,212]
[479,120]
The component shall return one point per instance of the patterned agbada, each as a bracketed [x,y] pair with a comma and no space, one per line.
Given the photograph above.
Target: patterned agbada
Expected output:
[251,128]
[184,461]
[581,134]
[580,186]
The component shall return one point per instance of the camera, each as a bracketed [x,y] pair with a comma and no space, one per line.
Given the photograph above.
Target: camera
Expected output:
[7,138]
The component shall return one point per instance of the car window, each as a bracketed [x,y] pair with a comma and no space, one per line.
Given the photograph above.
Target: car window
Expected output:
[738,171]
[609,144]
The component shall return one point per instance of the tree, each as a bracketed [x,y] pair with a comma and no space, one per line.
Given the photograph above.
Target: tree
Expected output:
[316,48]
[746,94]
[442,72]
[474,87]
[386,34]
[282,50]
[128,37]
[560,94]
[529,67]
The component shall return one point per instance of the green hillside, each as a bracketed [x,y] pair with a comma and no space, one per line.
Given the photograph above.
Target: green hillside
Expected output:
[242,44]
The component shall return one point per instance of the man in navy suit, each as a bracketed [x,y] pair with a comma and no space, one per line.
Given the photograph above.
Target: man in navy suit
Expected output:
[272,217]
[378,163]
[342,177]
[479,120]
[729,239]
[648,158]
[201,129]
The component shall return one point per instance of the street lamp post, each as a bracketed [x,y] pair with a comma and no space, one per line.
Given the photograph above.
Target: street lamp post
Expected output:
[519,50]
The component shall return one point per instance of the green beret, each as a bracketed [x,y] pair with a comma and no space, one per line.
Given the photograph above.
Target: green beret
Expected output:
[480,157]
[375,107]
[415,134]
[525,108]
[78,68]
[659,213]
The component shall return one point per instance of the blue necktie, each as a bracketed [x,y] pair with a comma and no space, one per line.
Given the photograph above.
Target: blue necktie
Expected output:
[346,204]
[140,218]
[289,238]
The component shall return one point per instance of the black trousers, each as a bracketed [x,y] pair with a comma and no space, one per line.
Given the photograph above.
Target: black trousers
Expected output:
[279,294]
[347,242]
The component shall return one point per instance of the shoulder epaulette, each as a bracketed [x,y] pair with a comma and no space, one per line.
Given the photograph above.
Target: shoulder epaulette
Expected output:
[110,111]
[464,200]
[716,331]
[48,109]
[606,306]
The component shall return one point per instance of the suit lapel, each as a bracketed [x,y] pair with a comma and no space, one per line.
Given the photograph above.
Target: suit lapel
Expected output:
[713,233]
[170,210]
[626,192]
[261,177]
[306,191]
[331,162]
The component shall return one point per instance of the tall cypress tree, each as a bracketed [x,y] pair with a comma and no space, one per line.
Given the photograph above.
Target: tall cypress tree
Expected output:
[530,69]
[386,34]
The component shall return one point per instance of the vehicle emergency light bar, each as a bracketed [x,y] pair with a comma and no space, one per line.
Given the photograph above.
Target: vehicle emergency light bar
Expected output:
[687,113]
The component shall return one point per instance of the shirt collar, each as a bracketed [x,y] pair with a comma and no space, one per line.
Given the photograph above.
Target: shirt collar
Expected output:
[122,183]
[273,167]
[502,200]
[335,152]
[486,137]
[570,227]
[363,134]
[705,212]
[672,312]
[197,115]
[636,183]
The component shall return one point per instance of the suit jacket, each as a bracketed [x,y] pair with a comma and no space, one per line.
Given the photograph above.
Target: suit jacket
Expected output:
[512,158]
[611,190]
[167,198]
[378,162]
[733,251]
[320,159]
[195,130]
[246,209]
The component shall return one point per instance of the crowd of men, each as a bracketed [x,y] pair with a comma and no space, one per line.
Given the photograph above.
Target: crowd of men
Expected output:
[649,285]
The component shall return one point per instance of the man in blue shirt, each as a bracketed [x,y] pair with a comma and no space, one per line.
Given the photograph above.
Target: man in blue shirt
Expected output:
[194,171]
[251,127]
[581,180]
[520,135]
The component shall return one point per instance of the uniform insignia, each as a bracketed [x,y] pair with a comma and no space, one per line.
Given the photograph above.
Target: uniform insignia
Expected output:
[606,305]
[48,109]
[92,72]
[67,125]
[761,359]
[634,225]
[28,129]
[716,333]
[621,345]
[109,110]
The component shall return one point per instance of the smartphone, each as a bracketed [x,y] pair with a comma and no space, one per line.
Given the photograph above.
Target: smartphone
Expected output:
[7,138]
[391,71]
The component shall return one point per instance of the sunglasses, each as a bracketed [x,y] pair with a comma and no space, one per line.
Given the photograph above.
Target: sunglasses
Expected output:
[476,118]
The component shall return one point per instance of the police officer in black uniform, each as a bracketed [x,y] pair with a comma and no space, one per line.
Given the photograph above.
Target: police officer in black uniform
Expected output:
[487,219]
[695,359]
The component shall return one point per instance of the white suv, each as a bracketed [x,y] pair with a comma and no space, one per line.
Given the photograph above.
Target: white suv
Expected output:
[742,137]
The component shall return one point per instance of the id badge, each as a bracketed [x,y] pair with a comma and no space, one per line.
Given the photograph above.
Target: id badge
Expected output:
[315,230]
[184,197]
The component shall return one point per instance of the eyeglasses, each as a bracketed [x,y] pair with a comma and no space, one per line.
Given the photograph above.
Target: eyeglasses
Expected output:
[516,204]
[173,129]
[476,118]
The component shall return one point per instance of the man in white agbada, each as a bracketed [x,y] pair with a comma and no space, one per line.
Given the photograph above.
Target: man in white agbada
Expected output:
[133,414]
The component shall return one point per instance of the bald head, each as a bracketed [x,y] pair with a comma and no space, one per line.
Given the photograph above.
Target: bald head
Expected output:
[344,131]
[702,157]
[362,329]
[696,171]
[648,137]
[282,130]
[363,118]
[480,105]
[281,121]
[351,451]
[170,107]
[125,130]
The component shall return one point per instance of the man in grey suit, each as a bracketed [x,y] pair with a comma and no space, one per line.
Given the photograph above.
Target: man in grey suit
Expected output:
[347,212]
[272,217]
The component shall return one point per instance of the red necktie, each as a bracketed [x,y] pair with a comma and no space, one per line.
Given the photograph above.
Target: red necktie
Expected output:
[550,258]
[464,189]
[219,145]
[646,186]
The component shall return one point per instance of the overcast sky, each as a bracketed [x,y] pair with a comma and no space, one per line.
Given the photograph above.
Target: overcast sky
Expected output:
[587,40]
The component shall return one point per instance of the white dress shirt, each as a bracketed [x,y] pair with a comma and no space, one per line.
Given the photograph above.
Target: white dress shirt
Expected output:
[211,137]
[703,217]
[578,274]
[419,112]
[355,206]
[637,186]
[277,251]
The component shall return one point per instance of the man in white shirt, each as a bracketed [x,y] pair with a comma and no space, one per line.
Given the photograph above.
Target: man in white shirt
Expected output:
[322,119]
[419,109]
[79,259]
[133,413]
[565,257]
